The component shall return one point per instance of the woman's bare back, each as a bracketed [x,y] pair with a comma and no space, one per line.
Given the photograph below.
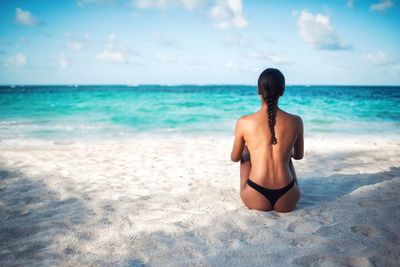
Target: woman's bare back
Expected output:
[270,164]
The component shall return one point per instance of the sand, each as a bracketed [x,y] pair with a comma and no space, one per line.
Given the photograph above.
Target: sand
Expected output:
[175,201]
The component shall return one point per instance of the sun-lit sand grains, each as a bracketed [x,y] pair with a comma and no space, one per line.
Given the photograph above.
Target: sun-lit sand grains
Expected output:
[176,202]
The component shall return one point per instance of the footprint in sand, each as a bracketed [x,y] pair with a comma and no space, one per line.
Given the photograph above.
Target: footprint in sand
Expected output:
[362,229]
[184,199]
[301,241]
[108,208]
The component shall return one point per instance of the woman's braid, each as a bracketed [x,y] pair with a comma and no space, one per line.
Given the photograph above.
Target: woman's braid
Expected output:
[271,113]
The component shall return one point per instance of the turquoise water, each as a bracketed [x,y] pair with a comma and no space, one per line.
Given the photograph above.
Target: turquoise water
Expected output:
[64,112]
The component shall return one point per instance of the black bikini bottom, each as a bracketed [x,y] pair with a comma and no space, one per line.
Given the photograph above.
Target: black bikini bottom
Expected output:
[271,194]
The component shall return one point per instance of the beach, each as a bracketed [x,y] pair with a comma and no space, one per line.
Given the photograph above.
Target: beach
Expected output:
[118,119]
[175,202]
[142,176]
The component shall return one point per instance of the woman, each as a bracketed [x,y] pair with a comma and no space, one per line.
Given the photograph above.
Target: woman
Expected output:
[265,142]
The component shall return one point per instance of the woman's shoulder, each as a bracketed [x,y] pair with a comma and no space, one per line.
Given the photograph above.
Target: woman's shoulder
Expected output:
[246,121]
[248,116]
[292,116]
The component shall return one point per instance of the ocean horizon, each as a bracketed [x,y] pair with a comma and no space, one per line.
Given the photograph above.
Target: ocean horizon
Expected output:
[74,112]
[13,85]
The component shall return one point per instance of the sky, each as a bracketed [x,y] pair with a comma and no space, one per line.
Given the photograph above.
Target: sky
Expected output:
[331,42]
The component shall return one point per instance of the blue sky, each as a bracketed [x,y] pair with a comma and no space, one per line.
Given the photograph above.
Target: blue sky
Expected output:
[199,41]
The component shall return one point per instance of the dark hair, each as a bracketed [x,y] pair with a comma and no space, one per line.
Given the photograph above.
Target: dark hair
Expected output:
[271,86]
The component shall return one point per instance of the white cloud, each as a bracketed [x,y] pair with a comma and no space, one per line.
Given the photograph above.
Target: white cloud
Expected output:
[269,57]
[63,61]
[75,45]
[114,51]
[382,5]
[227,14]
[249,52]
[111,56]
[163,4]
[382,60]
[317,31]
[18,60]
[378,58]
[79,42]
[25,17]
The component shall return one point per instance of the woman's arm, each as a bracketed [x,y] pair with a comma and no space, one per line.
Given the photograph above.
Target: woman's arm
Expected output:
[291,167]
[239,142]
[298,149]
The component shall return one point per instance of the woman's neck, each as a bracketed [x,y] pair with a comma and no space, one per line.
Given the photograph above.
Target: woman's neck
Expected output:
[264,105]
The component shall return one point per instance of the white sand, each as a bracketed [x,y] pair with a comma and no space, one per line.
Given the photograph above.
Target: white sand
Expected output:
[175,202]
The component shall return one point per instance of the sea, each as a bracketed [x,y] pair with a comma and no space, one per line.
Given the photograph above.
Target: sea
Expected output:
[113,112]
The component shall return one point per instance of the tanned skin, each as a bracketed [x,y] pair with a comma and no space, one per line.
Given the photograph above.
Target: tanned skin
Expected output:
[271,165]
